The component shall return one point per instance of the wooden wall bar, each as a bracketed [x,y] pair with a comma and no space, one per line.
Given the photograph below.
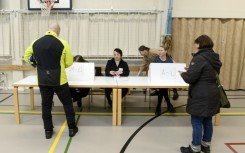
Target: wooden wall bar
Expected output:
[16,68]
[30,68]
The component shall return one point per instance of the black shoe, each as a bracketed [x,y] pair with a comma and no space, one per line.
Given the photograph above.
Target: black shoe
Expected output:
[205,149]
[176,95]
[72,132]
[187,150]
[154,93]
[171,109]
[48,134]
[158,111]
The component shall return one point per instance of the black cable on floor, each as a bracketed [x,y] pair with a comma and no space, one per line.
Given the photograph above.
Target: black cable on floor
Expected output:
[6,98]
[137,131]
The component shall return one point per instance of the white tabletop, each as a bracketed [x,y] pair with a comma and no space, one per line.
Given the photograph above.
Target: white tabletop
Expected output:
[31,81]
[110,82]
[97,82]
[28,81]
[144,82]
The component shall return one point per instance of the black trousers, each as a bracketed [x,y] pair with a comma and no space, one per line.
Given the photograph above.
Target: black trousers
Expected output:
[108,94]
[63,93]
[163,93]
[78,93]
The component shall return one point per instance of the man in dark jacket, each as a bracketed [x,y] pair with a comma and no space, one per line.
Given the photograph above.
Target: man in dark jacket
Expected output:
[203,97]
[52,55]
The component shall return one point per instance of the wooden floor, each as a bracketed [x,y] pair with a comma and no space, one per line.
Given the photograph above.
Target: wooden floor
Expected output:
[96,134]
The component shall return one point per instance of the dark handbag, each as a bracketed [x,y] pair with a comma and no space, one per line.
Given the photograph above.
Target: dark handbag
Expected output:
[224,102]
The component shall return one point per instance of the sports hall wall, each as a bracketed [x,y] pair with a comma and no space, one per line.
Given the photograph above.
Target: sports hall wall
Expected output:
[96,27]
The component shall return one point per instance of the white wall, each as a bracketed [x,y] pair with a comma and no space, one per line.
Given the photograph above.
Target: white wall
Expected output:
[4,4]
[108,4]
[181,8]
[10,4]
[116,4]
[209,8]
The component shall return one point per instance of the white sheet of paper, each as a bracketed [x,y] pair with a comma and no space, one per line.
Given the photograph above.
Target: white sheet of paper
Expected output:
[80,72]
[166,72]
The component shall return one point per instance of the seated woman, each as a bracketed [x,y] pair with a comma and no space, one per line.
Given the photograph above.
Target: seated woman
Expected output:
[116,67]
[78,93]
[163,58]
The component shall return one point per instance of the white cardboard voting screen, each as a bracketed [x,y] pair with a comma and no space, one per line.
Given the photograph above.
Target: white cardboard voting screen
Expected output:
[166,72]
[80,72]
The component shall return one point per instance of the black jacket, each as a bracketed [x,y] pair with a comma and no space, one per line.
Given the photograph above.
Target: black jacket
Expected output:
[52,55]
[203,96]
[112,66]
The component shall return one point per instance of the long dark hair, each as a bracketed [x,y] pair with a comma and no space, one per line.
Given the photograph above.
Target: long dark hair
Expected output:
[79,58]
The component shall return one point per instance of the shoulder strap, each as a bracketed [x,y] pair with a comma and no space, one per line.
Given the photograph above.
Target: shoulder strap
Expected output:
[208,62]
[217,75]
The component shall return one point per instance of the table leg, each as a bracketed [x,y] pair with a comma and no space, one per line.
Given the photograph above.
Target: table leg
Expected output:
[16,105]
[119,107]
[217,119]
[32,98]
[114,107]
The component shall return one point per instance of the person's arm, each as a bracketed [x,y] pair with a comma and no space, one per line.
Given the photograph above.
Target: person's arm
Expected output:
[143,66]
[194,71]
[125,70]
[28,53]
[108,71]
[139,73]
[68,55]
[155,60]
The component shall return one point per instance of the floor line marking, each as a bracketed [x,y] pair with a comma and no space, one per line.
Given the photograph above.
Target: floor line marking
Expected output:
[70,139]
[54,113]
[109,113]
[51,150]
[229,145]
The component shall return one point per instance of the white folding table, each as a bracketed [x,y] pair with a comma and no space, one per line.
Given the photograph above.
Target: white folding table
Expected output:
[144,82]
[98,82]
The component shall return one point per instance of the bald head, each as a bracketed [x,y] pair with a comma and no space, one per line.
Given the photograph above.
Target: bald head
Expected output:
[55,28]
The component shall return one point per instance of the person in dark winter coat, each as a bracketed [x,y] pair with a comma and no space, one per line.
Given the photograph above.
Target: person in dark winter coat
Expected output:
[203,96]
[116,67]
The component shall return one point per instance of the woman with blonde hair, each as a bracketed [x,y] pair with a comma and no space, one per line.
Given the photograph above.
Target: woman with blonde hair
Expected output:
[163,92]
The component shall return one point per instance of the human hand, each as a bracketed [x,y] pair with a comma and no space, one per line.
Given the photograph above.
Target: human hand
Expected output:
[32,61]
[112,72]
[118,72]
[186,68]
[180,72]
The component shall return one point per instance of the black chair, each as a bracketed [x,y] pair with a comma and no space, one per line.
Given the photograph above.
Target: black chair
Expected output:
[98,71]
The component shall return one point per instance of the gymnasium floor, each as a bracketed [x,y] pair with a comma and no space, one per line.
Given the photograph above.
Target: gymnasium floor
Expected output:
[96,134]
